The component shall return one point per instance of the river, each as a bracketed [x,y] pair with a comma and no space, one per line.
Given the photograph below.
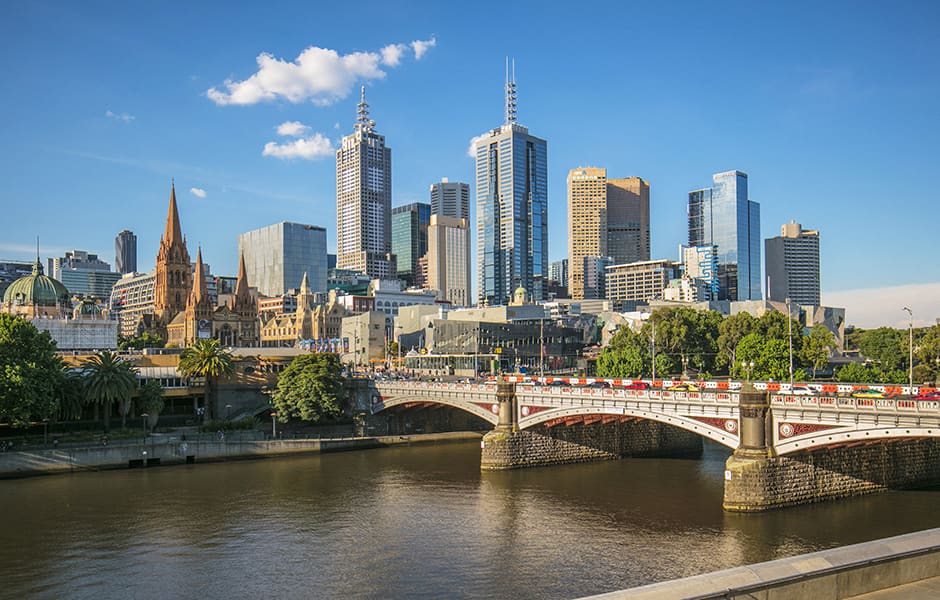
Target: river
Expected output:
[404,522]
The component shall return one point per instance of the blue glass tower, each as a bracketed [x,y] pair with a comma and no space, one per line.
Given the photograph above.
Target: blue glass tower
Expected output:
[512,209]
[722,216]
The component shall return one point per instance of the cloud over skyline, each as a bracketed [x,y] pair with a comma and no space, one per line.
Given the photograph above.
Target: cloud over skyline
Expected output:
[306,148]
[292,129]
[319,75]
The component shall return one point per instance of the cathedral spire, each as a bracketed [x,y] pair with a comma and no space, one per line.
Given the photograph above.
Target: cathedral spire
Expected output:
[242,301]
[510,92]
[173,233]
[199,282]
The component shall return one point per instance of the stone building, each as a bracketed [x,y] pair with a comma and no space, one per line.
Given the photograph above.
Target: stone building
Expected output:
[173,278]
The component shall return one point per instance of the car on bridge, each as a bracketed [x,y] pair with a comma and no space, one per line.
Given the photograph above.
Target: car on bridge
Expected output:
[870,393]
[683,387]
[928,396]
[802,390]
[636,385]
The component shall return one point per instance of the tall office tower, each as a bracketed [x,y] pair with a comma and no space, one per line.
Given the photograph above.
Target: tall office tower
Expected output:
[723,216]
[410,238]
[792,265]
[173,275]
[512,209]
[449,259]
[125,252]
[606,218]
[83,274]
[558,271]
[364,199]
[701,264]
[450,199]
[277,256]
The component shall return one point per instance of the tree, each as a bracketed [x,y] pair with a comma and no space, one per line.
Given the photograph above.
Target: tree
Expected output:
[731,331]
[150,402]
[886,347]
[72,396]
[817,347]
[310,388]
[685,333]
[30,372]
[206,358]
[626,355]
[927,351]
[109,379]
[145,340]
[856,373]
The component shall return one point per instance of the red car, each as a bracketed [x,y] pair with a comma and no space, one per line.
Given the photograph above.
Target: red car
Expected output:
[928,396]
[636,385]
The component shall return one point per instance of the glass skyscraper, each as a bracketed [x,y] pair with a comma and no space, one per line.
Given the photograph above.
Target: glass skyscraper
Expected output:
[410,237]
[277,256]
[512,209]
[125,252]
[724,217]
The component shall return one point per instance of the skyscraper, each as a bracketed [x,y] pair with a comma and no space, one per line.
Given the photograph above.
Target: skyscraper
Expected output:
[512,209]
[450,199]
[606,218]
[277,257]
[83,273]
[410,238]
[723,216]
[125,252]
[449,259]
[792,265]
[364,199]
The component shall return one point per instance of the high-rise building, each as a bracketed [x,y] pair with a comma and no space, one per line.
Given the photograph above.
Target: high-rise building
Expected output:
[643,281]
[84,274]
[277,256]
[558,271]
[450,199]
[700,263]
[449,259]
[132,300]
[410,238]
[724,217]
[364,200]
[512,209]
[125,252]
[792,265]
[606,218]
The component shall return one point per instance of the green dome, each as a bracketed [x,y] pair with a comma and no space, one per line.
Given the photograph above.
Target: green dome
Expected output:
[87,307]
[37,289]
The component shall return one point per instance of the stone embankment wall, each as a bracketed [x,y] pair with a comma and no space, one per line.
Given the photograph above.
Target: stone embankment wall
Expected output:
[756,482]
[542,446]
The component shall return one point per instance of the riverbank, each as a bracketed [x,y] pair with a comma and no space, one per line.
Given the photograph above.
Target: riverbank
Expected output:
[172,450]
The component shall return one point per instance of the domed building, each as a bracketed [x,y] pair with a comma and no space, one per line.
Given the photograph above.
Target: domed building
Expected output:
[37,295]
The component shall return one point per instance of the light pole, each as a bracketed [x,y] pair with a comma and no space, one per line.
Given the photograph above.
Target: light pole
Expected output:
[910,364]
[790,341]
[749,367]
[653,342]
[273,425]
[143,421]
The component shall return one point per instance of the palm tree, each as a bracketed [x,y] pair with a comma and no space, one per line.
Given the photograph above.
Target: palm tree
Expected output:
[151,402]
[206,358]
[109,379]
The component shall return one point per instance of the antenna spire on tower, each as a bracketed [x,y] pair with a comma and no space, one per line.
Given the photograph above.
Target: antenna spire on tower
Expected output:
[510,93]
[362,113]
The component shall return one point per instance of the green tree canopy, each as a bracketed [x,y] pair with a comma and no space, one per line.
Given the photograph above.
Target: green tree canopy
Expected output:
[31,373]
[886,347]
[627,355]
[817,347]
[731,331]
[206,358]
[145,340]
[109,379]
[310,389]
[150,402]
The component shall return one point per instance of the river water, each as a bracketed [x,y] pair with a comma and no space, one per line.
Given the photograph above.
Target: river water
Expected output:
[405,522]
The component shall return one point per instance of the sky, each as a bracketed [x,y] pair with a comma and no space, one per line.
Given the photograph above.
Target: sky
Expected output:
[830,108]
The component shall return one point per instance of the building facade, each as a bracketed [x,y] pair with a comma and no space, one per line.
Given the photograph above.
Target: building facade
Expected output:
[628,220]
[410,238]
[132,299]
[700,263]
[724,217]
[173,277]
[792,265]
[83,273]
[277,257]
[512,209]
[125,252]
[450,199]
[364,199]
[639,281]
[449,259]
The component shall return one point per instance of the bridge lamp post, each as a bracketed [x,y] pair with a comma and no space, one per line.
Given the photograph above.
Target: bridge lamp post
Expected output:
[910,363]
[749,367]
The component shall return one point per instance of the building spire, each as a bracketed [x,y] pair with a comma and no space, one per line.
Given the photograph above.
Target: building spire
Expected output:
[199,281]
[363,122]
[173,233]
[510,92]
[37,266]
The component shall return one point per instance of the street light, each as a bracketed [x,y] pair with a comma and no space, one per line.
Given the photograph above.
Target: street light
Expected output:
[273,425]
[143,422]
[910,364]
[749,367]
[790,342]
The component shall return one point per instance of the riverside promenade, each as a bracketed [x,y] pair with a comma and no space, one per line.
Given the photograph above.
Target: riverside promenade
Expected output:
[895,568]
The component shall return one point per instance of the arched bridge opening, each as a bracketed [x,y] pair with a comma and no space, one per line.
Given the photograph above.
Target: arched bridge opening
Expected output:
[414,417]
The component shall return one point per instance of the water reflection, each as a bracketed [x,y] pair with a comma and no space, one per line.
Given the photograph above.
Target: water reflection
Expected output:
[404,522]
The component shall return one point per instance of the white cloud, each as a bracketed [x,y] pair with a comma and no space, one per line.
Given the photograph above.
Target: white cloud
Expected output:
[471,150]
[197,192]
[878,307]
[336,125]
[421,47]
[292,129]
[124,117]
[309,148]
[320,75]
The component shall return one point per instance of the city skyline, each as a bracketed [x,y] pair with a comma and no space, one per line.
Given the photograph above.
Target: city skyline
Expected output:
[818,118]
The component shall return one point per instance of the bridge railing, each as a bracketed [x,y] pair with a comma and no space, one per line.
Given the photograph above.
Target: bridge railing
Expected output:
[848,403]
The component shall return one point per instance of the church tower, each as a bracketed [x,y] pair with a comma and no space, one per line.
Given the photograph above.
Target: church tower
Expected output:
[173,280]
[243,304]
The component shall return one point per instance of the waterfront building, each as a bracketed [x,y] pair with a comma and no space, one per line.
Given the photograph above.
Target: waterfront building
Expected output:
[792,265]
[450,199]
[364,199]
[448,259]
[410,238]
[724,217]
[606,217]
[512,208]
[173,277]
[125,252]
[277,257]
[639,282]
[366,333]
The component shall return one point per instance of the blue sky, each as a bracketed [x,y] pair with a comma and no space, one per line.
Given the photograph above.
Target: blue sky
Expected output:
[830,108]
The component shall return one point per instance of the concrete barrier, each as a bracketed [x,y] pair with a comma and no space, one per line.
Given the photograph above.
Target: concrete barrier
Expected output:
[831,574]
[172,451]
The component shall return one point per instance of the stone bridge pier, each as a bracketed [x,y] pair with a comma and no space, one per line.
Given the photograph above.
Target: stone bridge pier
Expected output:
[509,447]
